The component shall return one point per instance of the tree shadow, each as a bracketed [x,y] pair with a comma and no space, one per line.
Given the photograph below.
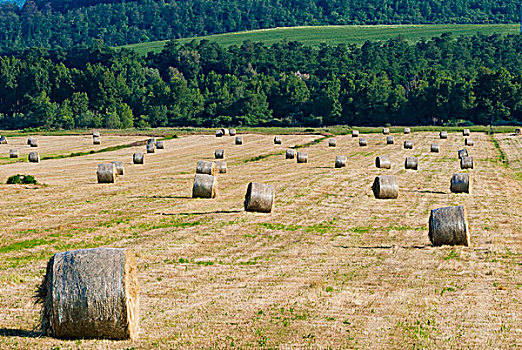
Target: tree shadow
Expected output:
[7,332]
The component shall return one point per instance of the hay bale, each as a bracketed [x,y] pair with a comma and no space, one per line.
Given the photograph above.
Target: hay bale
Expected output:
[460,183]
[106,173]
[290,153]
[118,164]
[408,144]
[448,226]
[13,153]
[386,131]
[383,162]
[205,186]
[160,145]
[219,133]
[340,161]
[96,140]
[463,153]
[389,140]
[90,293]
[137,158]
[435,147]
[517,132]
[151,141]
[385,187]
[206,167]
[469,142]
[259,197]
[150,148]
[221,166]
[225,132]
[33,157]
[219,154]
[29,140]
[95,133]
[232,132]
[407,130]
[239,140]
[355,133]
[278,140]
[332,143]
[32,141]
[466,132]
[3,140]
[363,142]
[411,163]
[443,134]
[466,162]
[302,157]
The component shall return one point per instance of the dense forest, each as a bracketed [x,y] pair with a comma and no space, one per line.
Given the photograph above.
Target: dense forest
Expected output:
[442,80]
[67,23]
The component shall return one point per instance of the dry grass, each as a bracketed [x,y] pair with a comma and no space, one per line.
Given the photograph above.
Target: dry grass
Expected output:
[330,267]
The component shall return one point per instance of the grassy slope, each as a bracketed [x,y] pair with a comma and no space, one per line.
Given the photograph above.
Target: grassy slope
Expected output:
[313,36]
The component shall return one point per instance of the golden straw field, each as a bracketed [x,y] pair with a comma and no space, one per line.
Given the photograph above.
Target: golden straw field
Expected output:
[330,267]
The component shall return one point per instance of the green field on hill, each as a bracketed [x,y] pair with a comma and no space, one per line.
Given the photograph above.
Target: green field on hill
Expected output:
[334,35]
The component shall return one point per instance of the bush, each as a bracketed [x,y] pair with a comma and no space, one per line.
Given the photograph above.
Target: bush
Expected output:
[21,179]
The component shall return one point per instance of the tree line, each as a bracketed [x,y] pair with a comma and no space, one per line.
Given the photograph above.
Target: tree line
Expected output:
[67,23]
[474,80]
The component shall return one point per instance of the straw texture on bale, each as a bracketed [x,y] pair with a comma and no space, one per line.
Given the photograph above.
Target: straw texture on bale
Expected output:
[118,164]
[385,187]
[205,186]
[408,144]
[407,130]
[332,143]
[160,145]
[411,163]
[96,133]
[239,140]
[150,148]
[469,142]
[206,167]
[383,162]
[463,153]
[466,132]
[386,131]
[33,142]
[355,133]
[137,158]
[221,166]
[302,157]
[225,132]
[389,140]
[219,154]
[33,157]
[466,162]
[435,147]
[259,197]
[3,140]
[106,173]
[363,142]
[96,140]
[90,293]
[13,153]
[290,154]
[443,135]
[340,161]
[219,133]
[232,132]
[448,226]
[460,183]
[278,140]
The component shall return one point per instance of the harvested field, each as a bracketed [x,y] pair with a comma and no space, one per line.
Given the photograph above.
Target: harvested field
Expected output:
[331,266]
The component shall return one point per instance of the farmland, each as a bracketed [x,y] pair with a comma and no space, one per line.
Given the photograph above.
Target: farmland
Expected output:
[331,266]
[334,35]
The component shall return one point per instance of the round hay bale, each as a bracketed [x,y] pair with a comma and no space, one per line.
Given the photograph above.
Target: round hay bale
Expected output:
[206,167]
[32,141]
[340,161]
[389,140]
[435,147]
[219,154]
[137,158]
[150,148]
[219,133]
[13,153]
[90,293]
[290,153]
[205,186]
[411,163]
[29,140]
[232,132]
[278,140]
[469,142]
[443,134]
[463,153]
[96,140]
[460,183]
[363,142]
[385,187]
[3,140]
[151,141]
[239,140]
[118,164]
[517,132]
[95,133]
[259,197]
[448,226]
[466,132]
[466,162]
[383,162]
[160,145]
[408,144]
[407,130]
[302,157]
[33,157]
[355,133]
[222,166]
[225,132]
[332,143]
[106,173]
[386,131]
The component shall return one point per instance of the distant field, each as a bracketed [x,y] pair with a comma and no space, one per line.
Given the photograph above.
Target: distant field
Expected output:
[334,35]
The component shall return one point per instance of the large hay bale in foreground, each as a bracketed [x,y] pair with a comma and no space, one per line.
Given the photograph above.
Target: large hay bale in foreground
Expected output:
[302,157]
[90,293]
[466,162]
[32,141]
[466,132]
[389,140]
[332,143]
[408,144]
[221,166]
[435,148]
[106,173]
[469,142]
[278,140]
[206,167]
[95,133]
[232,132]
[448,226]
[13,153]
[239,140]
[137,158]
[443,134]
[160,145]
[118,164]
[363,142]
[151,148]
[407,130]
[385,187]
[386,131]
[411,163]
[259,197]
[355,133]
[383,162]
[33,157]
[96,140]
[340,161]
[290,153]
[3,140]
[219,154]
[460,183]
[463,153]
[205,186]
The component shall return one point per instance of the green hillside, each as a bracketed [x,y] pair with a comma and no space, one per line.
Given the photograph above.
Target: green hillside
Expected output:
[333,35]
